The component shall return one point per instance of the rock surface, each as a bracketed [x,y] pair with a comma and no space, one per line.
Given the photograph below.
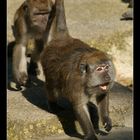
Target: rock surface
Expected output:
[116,134]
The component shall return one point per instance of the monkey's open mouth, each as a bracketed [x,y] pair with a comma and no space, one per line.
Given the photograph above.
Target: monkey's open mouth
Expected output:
[104,86]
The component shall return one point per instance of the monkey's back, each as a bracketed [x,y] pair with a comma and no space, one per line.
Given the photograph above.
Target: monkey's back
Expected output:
[60,54]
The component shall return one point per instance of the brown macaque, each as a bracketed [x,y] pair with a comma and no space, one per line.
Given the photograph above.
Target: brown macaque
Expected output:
[32,20]
[78,73]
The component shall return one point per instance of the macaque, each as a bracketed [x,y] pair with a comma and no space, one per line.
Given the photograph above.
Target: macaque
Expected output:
[31,21]
[79,74]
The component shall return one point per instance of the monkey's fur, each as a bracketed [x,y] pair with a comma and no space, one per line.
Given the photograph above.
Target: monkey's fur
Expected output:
[31,21]
[75,71]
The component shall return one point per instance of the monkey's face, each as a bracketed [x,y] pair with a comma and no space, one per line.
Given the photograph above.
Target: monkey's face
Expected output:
[38,13]
[98,72]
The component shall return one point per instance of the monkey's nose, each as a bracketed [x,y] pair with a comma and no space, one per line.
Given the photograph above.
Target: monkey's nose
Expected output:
[107,78]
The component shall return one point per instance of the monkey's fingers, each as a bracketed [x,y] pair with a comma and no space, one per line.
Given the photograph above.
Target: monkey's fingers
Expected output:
[100,132]
[107,124]
[15,87]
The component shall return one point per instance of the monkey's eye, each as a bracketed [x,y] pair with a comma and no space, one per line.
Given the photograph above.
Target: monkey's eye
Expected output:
[99,68]
[103,67]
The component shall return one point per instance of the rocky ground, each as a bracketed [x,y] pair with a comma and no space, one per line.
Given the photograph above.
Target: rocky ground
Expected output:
[99,24]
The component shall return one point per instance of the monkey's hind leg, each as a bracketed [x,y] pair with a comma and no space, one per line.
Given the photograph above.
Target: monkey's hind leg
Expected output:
[52,102]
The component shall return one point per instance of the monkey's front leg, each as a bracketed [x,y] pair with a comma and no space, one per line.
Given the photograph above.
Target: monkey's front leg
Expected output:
[83,117]
[20,64]
[103,103]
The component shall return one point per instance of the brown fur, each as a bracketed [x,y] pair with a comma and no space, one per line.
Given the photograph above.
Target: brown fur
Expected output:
[76,72]
[61,63]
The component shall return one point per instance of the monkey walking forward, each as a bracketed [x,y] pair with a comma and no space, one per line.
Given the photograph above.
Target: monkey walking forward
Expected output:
[78,73]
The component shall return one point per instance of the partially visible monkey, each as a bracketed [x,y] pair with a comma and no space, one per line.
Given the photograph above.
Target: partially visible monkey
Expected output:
[129,14]
[78,73]
[131,4]
[31,21]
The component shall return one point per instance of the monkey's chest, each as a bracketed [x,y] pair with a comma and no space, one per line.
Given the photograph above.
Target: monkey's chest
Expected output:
[40,21]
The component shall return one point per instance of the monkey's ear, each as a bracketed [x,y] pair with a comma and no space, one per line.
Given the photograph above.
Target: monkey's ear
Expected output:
[83,68]
[25,7]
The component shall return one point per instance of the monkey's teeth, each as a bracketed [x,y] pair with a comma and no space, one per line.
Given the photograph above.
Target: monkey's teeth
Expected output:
[103,87]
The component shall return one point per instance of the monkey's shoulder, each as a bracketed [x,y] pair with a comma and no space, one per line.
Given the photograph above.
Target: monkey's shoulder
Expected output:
[19,27]
[69,45]
[20,12]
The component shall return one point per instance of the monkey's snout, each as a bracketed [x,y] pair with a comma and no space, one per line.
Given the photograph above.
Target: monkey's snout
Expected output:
[107,78]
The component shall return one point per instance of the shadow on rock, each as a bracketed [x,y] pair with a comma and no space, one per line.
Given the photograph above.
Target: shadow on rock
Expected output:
[67,119]
[35,94]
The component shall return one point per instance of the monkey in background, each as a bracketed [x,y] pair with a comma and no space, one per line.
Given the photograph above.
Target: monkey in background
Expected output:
[32,20]
[129,14]
[79,74]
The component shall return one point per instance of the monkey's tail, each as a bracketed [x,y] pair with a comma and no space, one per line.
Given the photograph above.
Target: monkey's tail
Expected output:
[61,25]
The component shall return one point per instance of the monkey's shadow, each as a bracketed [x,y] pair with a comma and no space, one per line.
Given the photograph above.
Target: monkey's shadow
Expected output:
[35,94]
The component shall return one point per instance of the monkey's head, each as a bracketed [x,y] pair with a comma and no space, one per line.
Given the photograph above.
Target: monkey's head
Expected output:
[38,13]
[97,71]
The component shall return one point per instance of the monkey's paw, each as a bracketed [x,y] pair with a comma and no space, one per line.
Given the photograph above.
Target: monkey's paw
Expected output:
[107,123]
[22,78]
